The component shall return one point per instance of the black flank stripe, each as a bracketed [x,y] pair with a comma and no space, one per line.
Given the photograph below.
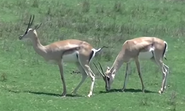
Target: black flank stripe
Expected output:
[90,57]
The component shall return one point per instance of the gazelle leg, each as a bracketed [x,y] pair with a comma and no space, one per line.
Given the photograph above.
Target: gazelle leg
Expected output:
[139,73]
[62,78]
[163,81]
[126,76]
[92,76]
[89,72]
[84,76]
[167,71]
[164,70]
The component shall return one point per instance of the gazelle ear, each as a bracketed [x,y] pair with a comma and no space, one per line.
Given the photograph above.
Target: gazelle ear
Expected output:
[108,68]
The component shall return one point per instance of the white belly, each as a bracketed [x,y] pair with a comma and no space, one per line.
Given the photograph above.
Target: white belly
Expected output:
[145,55]
[51,61]
[70,57]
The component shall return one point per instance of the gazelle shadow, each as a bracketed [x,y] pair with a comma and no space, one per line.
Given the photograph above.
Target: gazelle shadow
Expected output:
[127,90]
[51,94]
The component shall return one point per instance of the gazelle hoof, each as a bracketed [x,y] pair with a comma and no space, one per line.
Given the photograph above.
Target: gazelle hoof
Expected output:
[73,93]
[143,91]
[89,95]
[63,95]
[160,92]
[122,90]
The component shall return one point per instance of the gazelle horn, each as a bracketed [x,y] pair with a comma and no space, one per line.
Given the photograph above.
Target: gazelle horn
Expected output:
[101,72]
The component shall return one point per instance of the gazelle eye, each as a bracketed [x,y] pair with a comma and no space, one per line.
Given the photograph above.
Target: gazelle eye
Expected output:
[108,79]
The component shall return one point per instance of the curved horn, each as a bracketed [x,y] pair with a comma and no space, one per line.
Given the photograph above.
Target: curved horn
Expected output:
[101,69]
[102,74]
[30,22]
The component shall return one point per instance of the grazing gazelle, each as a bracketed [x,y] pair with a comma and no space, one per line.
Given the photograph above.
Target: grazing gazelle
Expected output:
[71,50]
[135,49]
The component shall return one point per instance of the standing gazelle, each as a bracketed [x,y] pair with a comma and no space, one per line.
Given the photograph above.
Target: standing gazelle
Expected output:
[139,48]
[71,50]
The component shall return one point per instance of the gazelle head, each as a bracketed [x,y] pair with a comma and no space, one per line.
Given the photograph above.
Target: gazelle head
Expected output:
[30,32]
[108,77]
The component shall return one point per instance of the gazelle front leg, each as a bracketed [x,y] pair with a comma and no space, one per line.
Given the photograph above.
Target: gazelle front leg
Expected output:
[139,73]
[126,76]
[62,78]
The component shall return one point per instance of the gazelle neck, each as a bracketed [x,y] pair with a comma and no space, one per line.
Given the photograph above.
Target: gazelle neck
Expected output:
[38,47]
[116,65]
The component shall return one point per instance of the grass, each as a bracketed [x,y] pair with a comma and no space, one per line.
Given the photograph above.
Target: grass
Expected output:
[27,82]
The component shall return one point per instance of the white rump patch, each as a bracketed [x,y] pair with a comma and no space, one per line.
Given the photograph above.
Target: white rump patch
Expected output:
[146,55]
[70,57]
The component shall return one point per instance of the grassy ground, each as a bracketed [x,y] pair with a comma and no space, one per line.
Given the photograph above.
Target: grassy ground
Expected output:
[27,82]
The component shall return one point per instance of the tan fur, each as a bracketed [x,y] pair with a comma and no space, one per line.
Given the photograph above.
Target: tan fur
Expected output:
[131,50]
[55,52]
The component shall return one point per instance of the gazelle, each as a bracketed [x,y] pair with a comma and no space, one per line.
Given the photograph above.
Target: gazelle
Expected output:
[71,50]
[135,49]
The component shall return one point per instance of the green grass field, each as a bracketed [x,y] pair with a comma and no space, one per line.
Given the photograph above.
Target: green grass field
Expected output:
[28,83]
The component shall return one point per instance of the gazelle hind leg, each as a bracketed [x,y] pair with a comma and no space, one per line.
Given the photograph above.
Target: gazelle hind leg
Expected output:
[164,69]
[84,76]
[158,57]
[92,76]
[85,65]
